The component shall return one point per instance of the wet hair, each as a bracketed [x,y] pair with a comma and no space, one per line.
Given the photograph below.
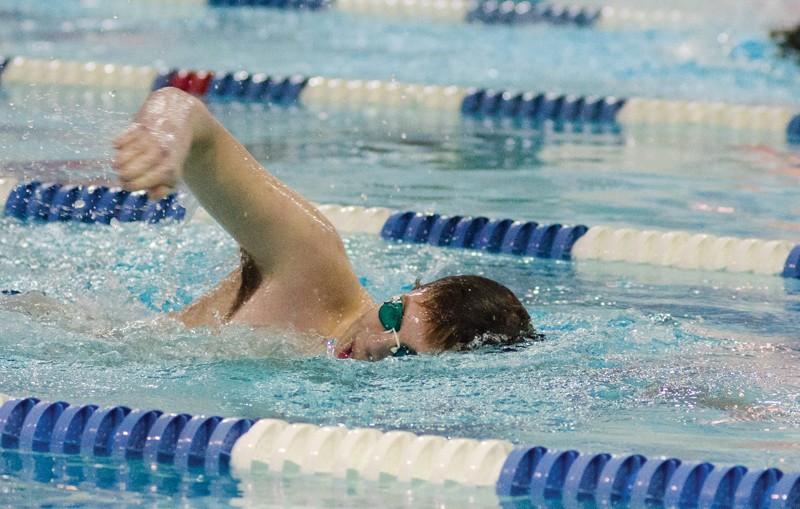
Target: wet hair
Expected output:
[467,312]
[788,41]
[251,280]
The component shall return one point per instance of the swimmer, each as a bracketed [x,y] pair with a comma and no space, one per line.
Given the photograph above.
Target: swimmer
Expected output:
[788,41]
[294,271]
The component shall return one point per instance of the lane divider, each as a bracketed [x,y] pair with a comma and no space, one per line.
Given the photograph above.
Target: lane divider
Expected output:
[50,202]
[243,447]
[69,72]
[320,92]
[490,12]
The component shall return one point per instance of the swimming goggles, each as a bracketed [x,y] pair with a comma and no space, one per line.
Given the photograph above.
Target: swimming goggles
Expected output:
[390,315]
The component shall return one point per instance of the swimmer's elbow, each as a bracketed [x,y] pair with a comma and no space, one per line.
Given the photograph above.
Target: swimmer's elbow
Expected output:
[175,104]
[168,101]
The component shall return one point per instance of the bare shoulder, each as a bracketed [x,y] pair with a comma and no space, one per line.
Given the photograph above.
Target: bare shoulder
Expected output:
[314,295]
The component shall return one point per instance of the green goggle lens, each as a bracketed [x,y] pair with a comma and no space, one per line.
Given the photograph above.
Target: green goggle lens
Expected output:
[391,314]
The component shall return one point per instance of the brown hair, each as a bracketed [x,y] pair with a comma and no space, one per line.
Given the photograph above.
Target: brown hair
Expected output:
[788,41]
[466,312]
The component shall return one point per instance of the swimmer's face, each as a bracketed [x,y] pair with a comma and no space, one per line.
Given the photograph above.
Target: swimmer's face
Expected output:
[367,340]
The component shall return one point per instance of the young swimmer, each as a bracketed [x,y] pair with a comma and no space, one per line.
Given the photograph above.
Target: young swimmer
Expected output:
[295,273]
[788,41]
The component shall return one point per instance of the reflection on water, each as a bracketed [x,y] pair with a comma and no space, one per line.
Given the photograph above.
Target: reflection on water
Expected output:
[72,481]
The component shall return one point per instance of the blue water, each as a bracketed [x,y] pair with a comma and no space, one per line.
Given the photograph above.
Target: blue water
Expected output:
[659,361]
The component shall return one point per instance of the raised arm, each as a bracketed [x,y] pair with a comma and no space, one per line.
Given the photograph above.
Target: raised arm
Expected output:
[174,136]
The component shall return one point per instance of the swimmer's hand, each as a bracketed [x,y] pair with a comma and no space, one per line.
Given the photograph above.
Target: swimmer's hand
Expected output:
[152,151]
[175,138]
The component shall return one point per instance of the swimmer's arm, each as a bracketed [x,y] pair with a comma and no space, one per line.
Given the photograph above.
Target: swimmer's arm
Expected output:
[271,221]
[279,228]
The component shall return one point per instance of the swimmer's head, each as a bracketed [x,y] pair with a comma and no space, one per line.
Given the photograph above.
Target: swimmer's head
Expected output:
[456,313]
[788,41]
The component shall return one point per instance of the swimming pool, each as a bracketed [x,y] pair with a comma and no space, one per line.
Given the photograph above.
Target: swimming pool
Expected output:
[700,365]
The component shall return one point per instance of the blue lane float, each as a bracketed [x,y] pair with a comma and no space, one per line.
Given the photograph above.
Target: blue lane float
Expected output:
[221,442]
[192,443]
[67,431]
[131,436]
[616,479]
[529,475]
[492,12]
[12,418]
[650,486]
[162,439]
[719,487]
[311,5]
[541,107]
[581,483]
[48,203]
[101,428]
[495,236]
[261,88]
[37,429]
[187,442]
[239,86]
[549,475]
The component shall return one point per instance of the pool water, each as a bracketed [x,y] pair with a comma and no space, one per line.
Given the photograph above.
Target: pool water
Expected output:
[699,365]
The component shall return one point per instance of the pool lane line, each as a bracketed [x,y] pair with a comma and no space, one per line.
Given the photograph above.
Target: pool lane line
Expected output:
[525,108]
[220,446]
[485,12]
[68,72]
[39,202]
[53,202]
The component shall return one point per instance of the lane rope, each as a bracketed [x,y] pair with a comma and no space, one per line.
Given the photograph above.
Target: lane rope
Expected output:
[522,107]
[487,12]
[244,447]
[38,202]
